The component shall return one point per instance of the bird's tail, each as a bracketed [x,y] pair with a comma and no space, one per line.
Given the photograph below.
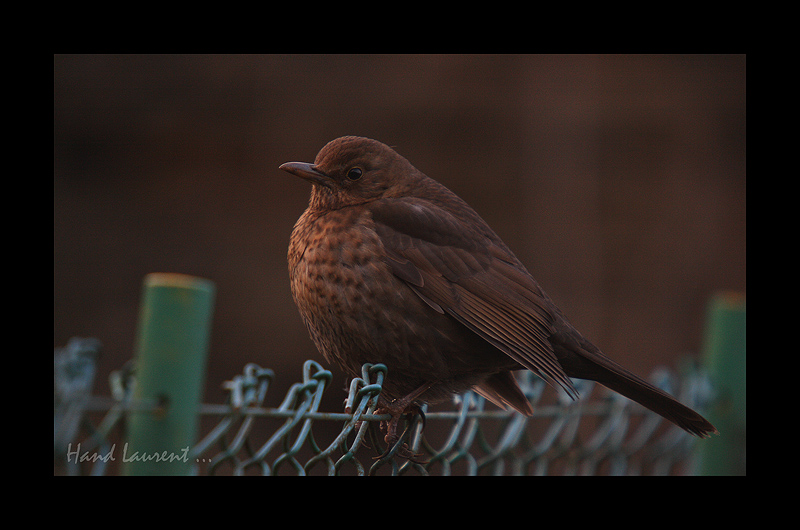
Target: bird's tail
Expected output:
[594,365]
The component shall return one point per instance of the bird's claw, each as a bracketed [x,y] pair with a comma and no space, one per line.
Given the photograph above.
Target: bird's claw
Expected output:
[392,439]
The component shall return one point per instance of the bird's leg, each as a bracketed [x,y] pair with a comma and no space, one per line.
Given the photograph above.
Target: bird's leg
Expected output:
[397,409]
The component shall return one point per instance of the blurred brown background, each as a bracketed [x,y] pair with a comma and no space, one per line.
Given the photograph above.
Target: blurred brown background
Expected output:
[620,181]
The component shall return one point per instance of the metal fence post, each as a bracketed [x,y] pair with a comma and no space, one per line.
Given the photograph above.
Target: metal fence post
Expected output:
[172,342]
[726,360]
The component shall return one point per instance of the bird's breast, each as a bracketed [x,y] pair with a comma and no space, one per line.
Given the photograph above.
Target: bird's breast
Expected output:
[331,255]
[343,286]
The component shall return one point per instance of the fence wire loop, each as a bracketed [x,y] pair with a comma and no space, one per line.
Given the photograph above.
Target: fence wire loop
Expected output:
[73,377]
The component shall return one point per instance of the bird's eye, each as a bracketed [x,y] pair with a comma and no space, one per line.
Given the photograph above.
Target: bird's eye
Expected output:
[354,173]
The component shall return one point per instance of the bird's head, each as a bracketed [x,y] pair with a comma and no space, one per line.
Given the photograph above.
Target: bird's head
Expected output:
[353,170]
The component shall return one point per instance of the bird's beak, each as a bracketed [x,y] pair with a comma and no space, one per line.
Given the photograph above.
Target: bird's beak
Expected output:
[308,172]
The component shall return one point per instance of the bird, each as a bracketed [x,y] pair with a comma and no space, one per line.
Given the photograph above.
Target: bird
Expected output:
[387,265]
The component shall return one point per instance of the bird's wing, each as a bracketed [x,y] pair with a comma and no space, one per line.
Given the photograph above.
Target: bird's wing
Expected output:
[469,274]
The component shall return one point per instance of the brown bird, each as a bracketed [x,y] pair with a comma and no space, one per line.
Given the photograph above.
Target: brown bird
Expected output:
[389,266]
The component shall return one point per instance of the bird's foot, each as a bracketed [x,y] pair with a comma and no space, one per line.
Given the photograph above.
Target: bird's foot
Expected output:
[393,438]
[397,409]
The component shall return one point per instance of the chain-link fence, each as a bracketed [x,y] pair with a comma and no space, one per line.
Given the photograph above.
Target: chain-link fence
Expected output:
[602,433]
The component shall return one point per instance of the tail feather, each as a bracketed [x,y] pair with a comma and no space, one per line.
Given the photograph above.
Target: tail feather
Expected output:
[659,402]
[502,390]
[588,362]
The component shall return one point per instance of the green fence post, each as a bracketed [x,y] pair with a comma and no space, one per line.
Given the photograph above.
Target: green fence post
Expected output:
[726,360]
[172,342]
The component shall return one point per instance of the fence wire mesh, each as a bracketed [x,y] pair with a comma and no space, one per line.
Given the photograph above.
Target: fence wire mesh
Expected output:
[602,433]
